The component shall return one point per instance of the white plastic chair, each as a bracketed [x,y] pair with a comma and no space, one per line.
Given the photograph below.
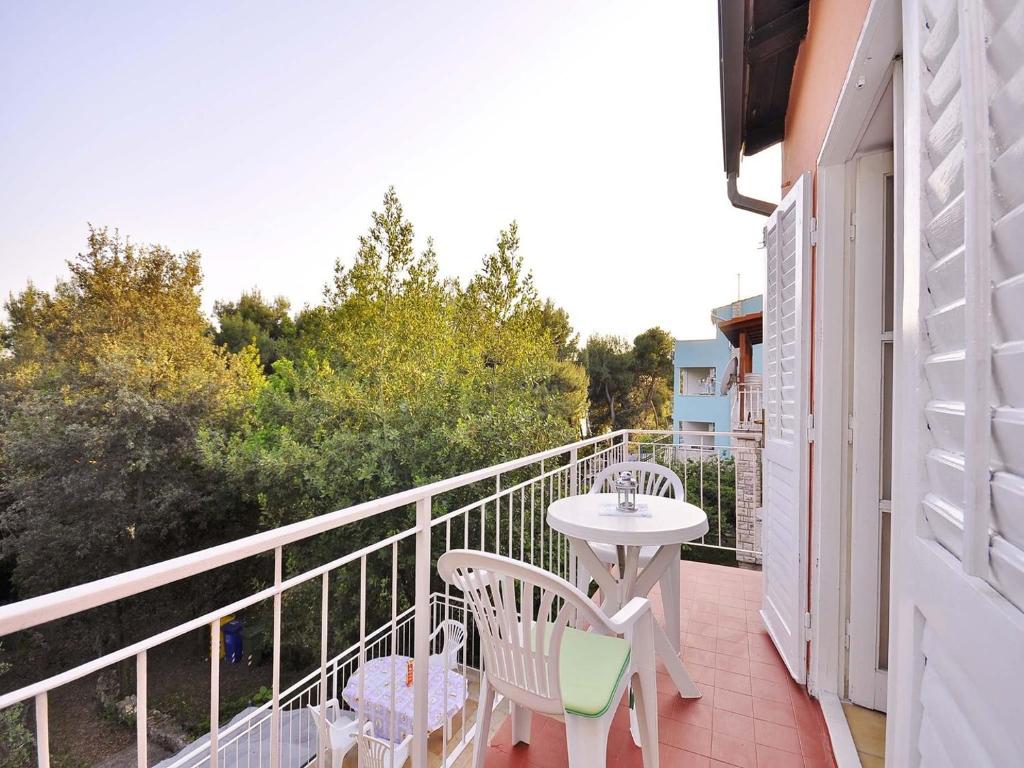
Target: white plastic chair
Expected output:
[453,640]
[652,480]
[337,730]
[541,664]
[377,753]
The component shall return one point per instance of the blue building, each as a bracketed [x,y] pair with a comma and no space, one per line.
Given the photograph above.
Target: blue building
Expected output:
[700,367]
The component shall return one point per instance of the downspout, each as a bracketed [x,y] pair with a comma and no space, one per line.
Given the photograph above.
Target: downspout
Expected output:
[745,203]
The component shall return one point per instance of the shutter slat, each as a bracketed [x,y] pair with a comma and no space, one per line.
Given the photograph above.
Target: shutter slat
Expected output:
[946,181]
[947,130]
[1007,235]
[946,327]
[944,232]
[946,278]
[945,375]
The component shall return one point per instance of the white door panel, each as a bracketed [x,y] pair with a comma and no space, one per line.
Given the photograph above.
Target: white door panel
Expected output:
[786,359]
[874,258]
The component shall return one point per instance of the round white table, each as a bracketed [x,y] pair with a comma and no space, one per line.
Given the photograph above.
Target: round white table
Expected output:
[661,522]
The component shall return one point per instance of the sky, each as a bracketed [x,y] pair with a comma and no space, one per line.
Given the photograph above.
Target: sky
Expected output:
[264,134]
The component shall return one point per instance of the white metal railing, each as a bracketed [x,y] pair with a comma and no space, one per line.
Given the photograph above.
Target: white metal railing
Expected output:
[720,473]
[504,514]
[747,406]
[239,743]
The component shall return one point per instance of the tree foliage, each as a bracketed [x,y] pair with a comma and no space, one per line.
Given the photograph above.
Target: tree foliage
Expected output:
[132,429]
[106,383]
[17,744]
[630,386]
[401,378]
[609,364]
[252,321]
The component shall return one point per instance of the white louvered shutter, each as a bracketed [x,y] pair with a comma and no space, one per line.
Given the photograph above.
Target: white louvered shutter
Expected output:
[1004,103]
[786,357]
[958,600]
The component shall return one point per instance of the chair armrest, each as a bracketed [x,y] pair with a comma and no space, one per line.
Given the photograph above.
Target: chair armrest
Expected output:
[629,614]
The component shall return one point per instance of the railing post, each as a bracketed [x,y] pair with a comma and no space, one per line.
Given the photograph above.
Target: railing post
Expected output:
[323,751]
[42,731]
[141,711]
[214,691]
[275,673]
[574,488]
[421,634]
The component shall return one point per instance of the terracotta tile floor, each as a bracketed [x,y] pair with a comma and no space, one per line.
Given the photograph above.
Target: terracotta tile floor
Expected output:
[751,714]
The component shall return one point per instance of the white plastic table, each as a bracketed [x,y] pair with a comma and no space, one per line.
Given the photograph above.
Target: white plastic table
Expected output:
[662,522]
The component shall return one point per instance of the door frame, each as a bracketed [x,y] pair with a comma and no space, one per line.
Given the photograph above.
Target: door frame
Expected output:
[866,685]
[871,68]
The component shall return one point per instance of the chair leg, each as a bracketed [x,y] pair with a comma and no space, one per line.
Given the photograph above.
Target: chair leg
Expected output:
[483,723]
[670,603]
[645,693]
[522,719]
[587,739]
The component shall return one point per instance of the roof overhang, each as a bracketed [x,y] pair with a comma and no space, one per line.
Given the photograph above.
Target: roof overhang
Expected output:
[758,44]
[751,324]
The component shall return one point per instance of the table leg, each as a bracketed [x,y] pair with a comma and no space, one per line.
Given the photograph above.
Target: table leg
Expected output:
[610,590]
[629,575]
[664,564]
[664,648]
[636,583]
[670,658]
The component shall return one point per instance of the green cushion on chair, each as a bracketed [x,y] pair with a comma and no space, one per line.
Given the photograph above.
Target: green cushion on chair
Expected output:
[591,667]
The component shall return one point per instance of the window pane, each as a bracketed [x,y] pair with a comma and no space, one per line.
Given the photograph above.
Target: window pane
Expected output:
[883,591]
[885,492]
[889,256]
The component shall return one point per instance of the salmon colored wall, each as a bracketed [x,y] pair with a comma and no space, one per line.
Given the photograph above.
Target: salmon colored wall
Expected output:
[832,31]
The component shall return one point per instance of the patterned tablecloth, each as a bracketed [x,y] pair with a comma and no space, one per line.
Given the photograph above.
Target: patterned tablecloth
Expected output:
[442,702]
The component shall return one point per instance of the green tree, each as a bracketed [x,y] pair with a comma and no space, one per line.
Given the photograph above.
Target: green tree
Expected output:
[401,378]
[106,384]
[17,744]
[555,320]
[652,369]
[253,321]
[608,361]
[630,386]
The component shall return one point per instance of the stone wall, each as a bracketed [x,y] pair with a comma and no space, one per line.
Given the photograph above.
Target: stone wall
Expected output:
[748,496]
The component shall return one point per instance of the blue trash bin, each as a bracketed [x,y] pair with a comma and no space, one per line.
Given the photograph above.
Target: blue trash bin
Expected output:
[233,641]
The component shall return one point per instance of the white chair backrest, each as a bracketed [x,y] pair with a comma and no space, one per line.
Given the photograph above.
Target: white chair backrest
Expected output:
[652,479]
[453,640]
[376,753]
[521,613]
[323,725]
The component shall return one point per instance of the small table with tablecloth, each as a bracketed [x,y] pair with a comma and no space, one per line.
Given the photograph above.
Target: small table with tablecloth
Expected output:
[388,698]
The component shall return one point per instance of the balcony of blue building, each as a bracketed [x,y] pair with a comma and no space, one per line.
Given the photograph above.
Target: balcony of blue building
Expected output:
[718,380]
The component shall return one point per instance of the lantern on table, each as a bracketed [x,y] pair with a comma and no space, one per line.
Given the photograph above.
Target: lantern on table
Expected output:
[625,492]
